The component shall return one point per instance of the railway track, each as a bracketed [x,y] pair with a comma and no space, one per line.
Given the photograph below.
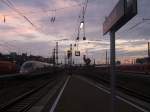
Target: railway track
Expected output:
[15,88]
[24,101]
[131,91]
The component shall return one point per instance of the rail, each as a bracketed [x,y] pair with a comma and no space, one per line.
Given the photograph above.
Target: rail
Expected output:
[129,90]
[26,100]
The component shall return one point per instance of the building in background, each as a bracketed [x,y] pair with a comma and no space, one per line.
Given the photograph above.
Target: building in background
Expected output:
[145,60]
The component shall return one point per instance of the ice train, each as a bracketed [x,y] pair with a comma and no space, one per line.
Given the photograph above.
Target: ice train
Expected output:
[33,66]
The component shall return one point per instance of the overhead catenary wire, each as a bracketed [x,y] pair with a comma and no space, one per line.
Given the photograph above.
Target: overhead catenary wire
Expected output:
[77,28]
[46,10]
[21,13]
[53,18]
[136,25]
[11,6]
[83,18]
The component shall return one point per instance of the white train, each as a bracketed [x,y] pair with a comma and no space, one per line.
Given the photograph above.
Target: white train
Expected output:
[33,66]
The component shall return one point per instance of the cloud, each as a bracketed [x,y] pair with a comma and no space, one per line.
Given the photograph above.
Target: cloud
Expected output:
[65,26]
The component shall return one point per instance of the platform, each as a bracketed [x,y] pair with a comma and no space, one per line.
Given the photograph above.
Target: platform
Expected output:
[80,95]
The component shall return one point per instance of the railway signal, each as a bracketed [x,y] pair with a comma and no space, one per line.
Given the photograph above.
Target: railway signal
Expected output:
[77,53]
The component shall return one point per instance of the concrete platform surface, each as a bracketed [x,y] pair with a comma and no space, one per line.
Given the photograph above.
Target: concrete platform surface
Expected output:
[81,96]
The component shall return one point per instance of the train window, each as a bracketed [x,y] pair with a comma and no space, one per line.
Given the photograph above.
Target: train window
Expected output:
[28,65]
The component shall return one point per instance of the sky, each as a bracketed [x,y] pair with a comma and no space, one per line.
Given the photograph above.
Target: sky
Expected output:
[28,28]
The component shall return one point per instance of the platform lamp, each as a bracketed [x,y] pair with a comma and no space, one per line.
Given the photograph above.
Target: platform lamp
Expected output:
[81,24]
[83,27]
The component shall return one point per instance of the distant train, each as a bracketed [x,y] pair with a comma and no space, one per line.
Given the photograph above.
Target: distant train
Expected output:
[33,66]
[140,68]
[7,67]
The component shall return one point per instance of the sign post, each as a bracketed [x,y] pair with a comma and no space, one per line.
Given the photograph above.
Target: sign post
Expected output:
[112,69]
[120,15]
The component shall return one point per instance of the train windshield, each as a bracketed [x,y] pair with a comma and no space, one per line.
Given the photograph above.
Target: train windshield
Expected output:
[28,65]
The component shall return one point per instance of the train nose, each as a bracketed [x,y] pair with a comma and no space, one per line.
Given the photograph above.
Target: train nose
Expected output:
[23,71]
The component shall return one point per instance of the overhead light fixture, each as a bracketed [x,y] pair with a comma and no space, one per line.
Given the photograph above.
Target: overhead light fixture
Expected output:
[81,24]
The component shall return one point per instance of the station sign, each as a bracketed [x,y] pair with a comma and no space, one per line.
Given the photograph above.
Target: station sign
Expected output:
[120,15]
[77,53]
[130,9]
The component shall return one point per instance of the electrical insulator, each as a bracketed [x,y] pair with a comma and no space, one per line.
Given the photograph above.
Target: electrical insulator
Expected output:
[4,19]
[82,21]
[77,38]
[84,38]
